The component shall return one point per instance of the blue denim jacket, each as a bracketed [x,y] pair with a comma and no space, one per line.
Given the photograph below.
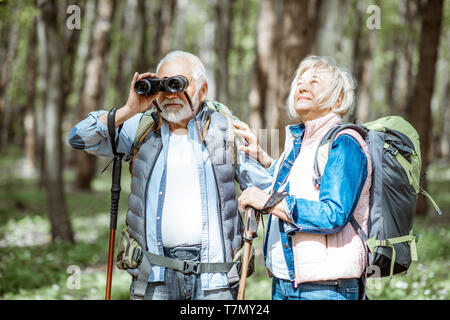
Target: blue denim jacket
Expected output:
[341,186]
[92,136]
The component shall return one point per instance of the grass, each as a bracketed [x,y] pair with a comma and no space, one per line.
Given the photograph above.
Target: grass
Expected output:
[33,267]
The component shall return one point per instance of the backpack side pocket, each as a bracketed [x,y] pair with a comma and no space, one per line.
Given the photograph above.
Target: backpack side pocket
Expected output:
[129,253]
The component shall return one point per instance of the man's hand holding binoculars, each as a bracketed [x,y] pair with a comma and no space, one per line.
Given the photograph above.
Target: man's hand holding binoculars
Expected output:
[136,103]
[143,91]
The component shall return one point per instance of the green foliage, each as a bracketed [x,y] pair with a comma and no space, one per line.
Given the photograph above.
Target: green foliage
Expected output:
[33,267]
[427,278]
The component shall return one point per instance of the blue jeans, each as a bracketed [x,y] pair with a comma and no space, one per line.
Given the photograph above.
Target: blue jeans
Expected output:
[342,289]
[180,286]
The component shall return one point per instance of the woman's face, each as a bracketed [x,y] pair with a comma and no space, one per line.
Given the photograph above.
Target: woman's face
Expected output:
[309,87]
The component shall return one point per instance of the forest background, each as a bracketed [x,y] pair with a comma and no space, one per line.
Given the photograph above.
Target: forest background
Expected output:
[62,59]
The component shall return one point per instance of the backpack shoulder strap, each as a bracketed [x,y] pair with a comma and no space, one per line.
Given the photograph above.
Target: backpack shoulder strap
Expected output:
[321,158]
[230,117]
[324,148]
[149,120]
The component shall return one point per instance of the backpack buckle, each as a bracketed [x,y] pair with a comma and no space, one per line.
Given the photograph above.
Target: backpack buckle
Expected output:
[137,254]
[190,267]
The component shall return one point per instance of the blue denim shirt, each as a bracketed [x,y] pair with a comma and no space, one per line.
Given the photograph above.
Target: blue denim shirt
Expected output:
[340,188]
[92,136]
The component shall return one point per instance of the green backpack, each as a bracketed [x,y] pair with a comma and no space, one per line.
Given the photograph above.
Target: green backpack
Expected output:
[151,119]
[394,149]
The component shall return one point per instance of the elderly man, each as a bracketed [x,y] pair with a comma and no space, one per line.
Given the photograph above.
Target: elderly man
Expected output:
[183,200]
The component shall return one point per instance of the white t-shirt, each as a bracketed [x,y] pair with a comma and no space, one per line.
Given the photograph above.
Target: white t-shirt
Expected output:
[275,260]
[182,210]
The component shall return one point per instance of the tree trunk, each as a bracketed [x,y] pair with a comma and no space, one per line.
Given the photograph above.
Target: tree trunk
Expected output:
[298,41]
[420,115]
[91,95]
[142,62]
[207,54]
[5,77]
[391,80]
[363,102]
[42,93]
[329,35]
[444,141]
[82,54]
[120,79]
[222,45]
[395,44]
[59,220]
[29,120]
[262,95]
[283,41]
[240,83]
[180,21]
[164,20]
[71,41]
[358,32]
[266,37]
[406,76]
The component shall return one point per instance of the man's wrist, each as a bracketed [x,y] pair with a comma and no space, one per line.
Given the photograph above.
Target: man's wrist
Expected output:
[127,110]
[122,114]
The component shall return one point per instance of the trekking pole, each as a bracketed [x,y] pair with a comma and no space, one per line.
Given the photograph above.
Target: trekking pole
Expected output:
[115,195]
[250,233]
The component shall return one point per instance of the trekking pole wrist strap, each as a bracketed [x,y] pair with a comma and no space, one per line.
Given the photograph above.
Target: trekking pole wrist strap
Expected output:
[273,200]
[112,131]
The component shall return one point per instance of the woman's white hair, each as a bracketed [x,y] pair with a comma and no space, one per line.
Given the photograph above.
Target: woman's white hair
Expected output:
[198,69]
[342,82]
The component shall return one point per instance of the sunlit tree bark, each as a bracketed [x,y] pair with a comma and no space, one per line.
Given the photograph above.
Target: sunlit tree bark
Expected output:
[93,86]
[420,115]
[53,166]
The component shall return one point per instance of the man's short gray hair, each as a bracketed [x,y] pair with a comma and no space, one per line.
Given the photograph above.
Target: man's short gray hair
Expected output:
[198,69]
[342,82]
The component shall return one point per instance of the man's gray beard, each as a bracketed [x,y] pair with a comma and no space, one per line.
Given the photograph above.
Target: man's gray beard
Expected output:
[177,114]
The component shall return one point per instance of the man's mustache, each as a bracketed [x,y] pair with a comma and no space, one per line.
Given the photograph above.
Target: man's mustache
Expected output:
[171,101]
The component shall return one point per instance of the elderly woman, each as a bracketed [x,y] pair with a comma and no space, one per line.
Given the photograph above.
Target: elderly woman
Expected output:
[310,249]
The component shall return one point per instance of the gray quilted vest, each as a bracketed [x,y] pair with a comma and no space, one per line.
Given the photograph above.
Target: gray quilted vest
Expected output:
[223,167]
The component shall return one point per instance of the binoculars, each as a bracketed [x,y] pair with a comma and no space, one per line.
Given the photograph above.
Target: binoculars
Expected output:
[150,86]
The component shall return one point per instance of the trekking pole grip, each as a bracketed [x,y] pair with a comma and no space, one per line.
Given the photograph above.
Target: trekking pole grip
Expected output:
[115,191]
[115,195]
[249,234]
[117,168]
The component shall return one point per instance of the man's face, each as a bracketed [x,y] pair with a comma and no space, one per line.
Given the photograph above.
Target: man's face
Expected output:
[174,105]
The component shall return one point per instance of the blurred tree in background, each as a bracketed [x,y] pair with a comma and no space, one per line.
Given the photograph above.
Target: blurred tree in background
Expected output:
[60,60]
